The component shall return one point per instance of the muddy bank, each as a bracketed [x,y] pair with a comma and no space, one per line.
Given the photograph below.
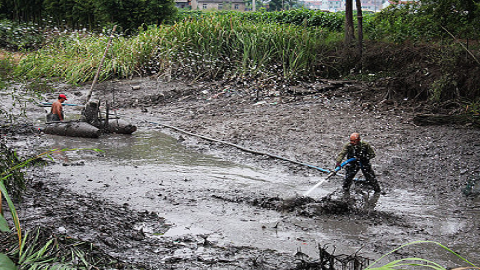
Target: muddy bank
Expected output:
[422,171]
[132,239]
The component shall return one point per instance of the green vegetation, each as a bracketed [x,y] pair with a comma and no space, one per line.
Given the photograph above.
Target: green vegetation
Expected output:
[18,36]
[434,43]
[291,45]
[212,48]
[90,14]
[42,249]
[429,21]
[33,252]
[416,263]
[332,22]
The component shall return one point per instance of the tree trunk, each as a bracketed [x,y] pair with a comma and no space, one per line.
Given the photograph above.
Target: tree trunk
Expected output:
[349,31]
[360,28]
[441,119]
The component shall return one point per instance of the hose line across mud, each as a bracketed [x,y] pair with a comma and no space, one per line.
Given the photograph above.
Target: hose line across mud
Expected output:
[243,148]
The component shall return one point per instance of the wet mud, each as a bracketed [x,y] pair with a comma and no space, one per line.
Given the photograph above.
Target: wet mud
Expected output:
[157,212]
[127,239]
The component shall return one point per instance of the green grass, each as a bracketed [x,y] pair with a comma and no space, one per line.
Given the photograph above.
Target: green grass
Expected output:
[211,48]
[417,263]
[29,252]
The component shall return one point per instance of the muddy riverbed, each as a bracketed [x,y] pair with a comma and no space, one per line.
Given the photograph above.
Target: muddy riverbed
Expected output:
[162,198]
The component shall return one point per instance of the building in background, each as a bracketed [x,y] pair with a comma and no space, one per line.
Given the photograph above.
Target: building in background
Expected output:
[315,5]
[325,5]
[183,3]
[238,5]
[373,5]
[339,5]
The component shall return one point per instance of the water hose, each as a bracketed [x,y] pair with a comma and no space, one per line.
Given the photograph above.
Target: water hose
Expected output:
[254,151]
[49,104]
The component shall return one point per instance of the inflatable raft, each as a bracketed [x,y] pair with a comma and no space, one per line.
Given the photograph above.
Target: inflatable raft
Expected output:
[72,129]
[86,130]
[92,124]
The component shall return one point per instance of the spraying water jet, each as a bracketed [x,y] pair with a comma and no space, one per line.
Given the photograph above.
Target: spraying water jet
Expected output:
[332,173]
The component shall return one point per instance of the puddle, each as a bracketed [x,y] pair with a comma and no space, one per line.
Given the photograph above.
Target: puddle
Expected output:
[182,230]
[140,148]
[151,171]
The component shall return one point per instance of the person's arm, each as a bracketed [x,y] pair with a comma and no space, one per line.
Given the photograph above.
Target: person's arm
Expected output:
[370,152]
[341,155]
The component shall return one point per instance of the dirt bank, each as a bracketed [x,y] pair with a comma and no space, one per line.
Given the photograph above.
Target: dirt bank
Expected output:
[307,123]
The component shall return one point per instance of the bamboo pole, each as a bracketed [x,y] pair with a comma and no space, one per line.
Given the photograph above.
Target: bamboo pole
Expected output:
[95,79]
[463,46]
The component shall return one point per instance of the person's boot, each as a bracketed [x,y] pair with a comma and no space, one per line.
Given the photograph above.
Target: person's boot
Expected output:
[376,187]
[346,194]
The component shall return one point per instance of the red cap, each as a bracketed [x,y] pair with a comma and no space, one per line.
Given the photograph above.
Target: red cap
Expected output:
[62,96]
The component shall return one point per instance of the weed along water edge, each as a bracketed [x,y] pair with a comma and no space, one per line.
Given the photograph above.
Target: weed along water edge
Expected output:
[234,204]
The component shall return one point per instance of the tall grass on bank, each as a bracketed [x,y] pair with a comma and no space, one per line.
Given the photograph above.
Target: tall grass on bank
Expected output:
[28,252]
[211,48]
[73,57]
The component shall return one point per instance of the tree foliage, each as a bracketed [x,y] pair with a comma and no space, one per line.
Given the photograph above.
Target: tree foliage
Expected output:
[428,20]
[277,5]
[91,14]
[300,17]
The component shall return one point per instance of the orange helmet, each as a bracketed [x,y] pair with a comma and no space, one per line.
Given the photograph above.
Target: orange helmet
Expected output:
[354,138]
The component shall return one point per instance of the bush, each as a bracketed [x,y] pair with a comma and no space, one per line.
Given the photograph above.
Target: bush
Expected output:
[300,17]
[431,20]
[17,36]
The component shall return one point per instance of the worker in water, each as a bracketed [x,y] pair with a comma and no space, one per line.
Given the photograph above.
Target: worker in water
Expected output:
[363,153]
[56,113]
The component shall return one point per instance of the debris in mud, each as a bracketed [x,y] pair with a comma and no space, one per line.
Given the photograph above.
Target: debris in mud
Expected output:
[129,239]
[329,261]
[440,119]
[361,205]
[310,207]
[472,188]
[304,206]
[18,129]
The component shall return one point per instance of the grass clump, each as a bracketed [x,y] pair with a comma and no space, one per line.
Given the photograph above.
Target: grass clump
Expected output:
[42,249]
[211,48]
[416,263]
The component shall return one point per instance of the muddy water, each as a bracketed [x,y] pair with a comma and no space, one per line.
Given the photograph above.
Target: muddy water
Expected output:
[202,194]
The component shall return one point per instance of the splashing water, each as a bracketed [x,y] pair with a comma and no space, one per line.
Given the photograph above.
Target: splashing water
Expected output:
[314,187]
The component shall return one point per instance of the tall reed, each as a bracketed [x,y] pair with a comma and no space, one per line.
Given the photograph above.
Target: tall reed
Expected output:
[212,47]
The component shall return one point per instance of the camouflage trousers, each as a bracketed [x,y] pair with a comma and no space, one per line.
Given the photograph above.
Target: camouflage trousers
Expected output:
[352,169]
